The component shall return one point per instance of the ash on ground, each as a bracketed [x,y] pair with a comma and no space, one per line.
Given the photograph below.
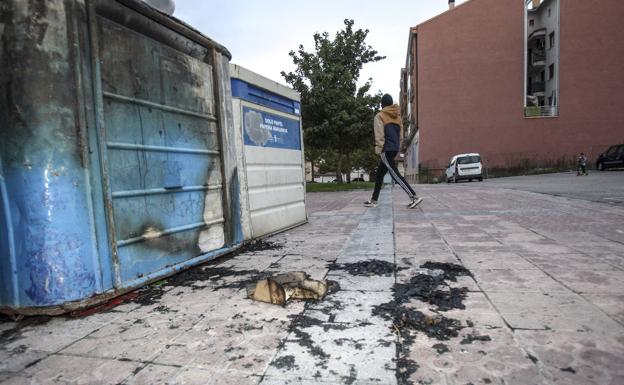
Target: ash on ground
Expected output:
[430,284]
[366,268]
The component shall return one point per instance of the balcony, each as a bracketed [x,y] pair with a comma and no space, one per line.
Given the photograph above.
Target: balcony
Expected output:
[538,59]
[537,34]
[541,111]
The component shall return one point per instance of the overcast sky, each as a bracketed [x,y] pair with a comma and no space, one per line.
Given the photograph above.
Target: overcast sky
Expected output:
[261,33]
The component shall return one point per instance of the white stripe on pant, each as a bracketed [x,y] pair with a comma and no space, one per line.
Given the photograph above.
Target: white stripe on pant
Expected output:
[395,177]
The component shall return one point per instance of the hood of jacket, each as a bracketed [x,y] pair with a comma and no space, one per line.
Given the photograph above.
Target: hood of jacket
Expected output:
[391,114]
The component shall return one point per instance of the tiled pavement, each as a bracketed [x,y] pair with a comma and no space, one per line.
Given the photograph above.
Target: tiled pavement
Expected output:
[548,291]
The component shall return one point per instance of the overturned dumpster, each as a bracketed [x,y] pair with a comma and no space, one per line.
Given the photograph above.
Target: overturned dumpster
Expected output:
[268,117]
[117,153]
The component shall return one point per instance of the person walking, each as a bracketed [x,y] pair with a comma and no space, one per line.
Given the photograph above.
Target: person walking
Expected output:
[388,137]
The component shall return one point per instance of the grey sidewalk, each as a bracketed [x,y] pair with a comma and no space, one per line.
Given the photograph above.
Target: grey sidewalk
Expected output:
[545,303]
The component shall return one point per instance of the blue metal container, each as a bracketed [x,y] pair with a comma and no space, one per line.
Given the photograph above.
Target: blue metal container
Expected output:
[267,116]
[117,154]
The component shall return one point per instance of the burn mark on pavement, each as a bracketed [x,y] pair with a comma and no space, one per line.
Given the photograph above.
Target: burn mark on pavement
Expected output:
[285,362]
[470,338]
[441,348]
[430,285]
[221,277]
[532,358]
[366,268]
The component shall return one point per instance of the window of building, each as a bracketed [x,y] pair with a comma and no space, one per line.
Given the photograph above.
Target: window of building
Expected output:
[548,12]
[551,71]
[550,100]
[551,40]
[531,22]
[540,43]
[542,76]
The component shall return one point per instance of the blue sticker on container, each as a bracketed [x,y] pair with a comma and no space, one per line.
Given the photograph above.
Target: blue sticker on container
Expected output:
[268,130]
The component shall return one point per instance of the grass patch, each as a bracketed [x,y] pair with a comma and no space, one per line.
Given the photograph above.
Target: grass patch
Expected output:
[327,187]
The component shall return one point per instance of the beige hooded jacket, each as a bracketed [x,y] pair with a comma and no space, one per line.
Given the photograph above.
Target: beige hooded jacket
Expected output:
[389,114]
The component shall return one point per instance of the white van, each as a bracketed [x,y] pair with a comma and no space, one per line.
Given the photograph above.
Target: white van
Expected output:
[464,166]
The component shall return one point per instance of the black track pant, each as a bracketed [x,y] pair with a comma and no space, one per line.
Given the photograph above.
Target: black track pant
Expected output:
[387,164]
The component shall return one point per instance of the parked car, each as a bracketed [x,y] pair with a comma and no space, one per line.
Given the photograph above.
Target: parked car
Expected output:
[612,158]
[464,166]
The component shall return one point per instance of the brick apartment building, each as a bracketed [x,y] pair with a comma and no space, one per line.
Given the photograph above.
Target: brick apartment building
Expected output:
[520,82]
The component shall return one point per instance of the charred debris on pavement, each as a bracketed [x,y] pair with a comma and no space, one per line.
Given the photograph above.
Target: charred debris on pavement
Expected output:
[220,277]
[373,267]
[431,285]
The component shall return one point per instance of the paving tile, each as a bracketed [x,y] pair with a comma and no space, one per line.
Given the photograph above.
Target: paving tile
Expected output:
[349,307]
[62,369]
[610,304]
[51,336]
[354,258]
[19,358]
[591,281]
[557,312]
[478,312]
[359,352]
[137,341]
[492,280]
[495,261]
[198,376]
[270,380]
[594,359]
[543,248]
[152,374]
[414,261]
[361,283]
[416,249]
[580,262]
[218,344]
[499,359]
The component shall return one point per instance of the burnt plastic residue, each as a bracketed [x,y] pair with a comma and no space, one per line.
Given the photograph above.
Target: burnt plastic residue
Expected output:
[211,271]
[441,348]
[366,268]
[451,270]
[285,362]
[438,327]
[259,245]
[430,286]
[470,338]
[433,287]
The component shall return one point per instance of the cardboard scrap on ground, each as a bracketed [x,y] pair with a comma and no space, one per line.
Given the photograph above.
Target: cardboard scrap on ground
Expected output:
[280,288]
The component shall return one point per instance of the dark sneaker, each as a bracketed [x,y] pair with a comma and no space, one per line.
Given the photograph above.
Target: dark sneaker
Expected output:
[370,203]
[415,202]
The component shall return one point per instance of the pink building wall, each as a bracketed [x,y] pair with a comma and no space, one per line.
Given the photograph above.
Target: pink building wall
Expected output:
[470,79]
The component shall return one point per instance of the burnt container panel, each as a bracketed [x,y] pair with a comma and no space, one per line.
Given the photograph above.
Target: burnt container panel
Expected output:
[163,152]
[47,243]
[117,160]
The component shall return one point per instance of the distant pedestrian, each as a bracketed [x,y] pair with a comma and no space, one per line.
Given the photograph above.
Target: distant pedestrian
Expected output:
[581,164]
[388,137]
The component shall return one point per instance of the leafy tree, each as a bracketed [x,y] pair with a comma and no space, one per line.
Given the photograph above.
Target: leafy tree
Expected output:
[337,114]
